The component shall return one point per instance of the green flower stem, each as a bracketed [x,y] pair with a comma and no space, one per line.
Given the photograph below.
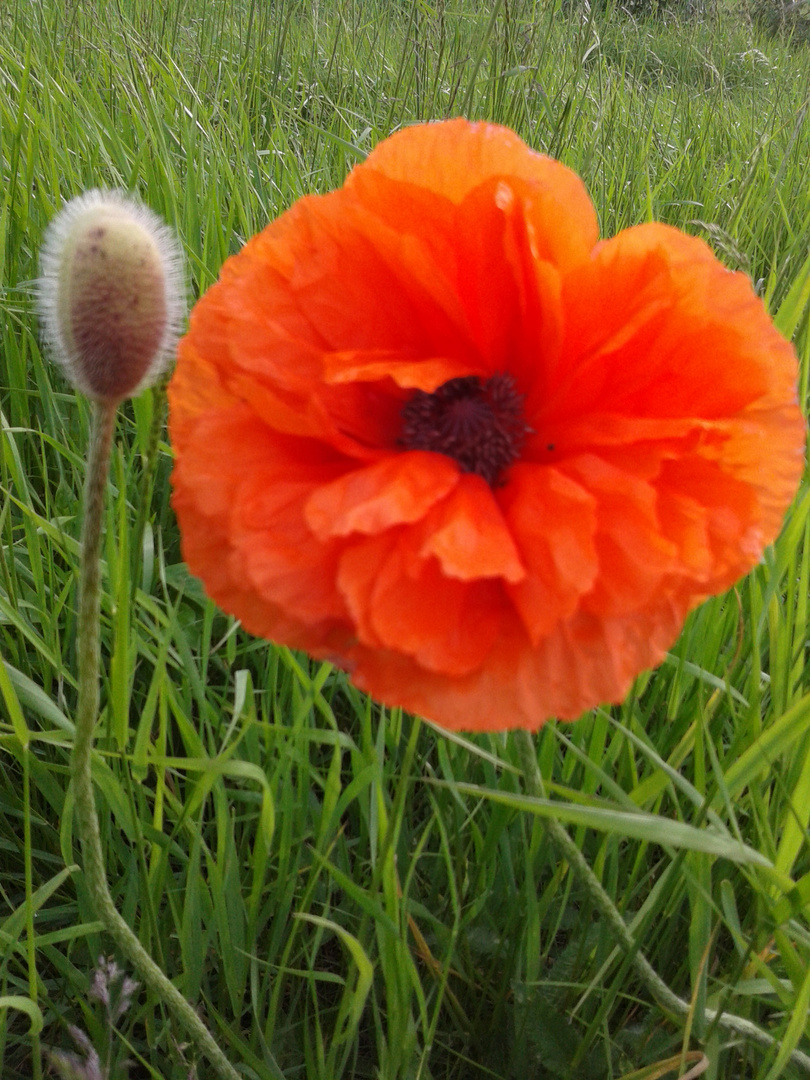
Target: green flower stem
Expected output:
[85,816]
[566,847]
[36,1053]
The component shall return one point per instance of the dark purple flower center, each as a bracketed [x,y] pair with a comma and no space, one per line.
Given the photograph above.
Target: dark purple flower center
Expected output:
[479,425]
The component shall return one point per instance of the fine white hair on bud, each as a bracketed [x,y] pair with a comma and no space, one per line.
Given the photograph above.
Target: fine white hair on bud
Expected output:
[111,294]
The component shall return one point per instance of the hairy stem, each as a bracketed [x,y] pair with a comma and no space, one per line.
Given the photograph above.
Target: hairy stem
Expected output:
[85,816]
[579,865]
[33,984]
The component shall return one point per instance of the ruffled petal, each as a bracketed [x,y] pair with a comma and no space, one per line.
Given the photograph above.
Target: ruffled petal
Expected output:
[397,490]
[587,660]
[634,556]
[553,521]
[453,158]
[240,494]
[375,365]
[446,625]
[648,317]
[468,535]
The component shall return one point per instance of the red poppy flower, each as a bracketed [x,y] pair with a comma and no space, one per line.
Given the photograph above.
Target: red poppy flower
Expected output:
[429,428]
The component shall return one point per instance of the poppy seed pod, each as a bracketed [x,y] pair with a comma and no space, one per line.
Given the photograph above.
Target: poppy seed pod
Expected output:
[110,294]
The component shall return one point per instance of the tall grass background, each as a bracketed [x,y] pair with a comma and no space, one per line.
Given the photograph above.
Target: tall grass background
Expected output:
[344,891]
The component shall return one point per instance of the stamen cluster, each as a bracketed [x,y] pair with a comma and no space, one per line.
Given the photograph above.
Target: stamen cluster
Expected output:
[480,425]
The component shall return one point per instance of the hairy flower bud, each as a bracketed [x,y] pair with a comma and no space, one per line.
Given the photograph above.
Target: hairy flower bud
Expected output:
[110,294]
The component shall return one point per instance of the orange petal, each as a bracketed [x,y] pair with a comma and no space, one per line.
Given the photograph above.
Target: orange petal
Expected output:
[634,556]
[586,661]
[281,559]
[446,625]
[369,286]
[401,602]
[453,157]
[396,490]
[656,327]
[467,533]
[731,517]
[553,521]
[239,503]
[359,568]
[508,288]
[195,389]
[372,365]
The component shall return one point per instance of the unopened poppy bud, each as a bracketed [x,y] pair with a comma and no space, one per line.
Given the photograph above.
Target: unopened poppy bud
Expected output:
[110,294]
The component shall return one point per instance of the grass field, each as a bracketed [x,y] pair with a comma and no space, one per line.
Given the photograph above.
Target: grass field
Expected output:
[344,891]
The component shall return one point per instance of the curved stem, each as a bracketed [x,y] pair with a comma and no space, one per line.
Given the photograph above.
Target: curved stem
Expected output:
[87,711]
[653,981]
[33,985]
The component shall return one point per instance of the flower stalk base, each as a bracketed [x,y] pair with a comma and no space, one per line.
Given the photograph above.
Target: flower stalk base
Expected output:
[86,819]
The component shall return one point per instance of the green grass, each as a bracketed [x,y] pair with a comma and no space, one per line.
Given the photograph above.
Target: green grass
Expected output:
[344,891]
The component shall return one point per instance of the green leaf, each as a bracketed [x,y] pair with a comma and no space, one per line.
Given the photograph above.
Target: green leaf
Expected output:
[13,705]
[639,826]
[27,1006]
[792,307]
